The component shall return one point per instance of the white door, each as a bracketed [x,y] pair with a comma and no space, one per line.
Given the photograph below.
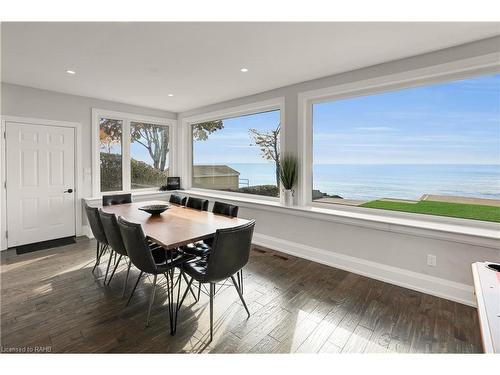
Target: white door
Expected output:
[40,182]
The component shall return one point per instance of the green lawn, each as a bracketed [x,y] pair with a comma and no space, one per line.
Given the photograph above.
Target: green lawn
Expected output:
[464,211]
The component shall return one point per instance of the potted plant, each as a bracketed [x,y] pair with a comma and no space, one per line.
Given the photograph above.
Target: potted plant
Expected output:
[288,177]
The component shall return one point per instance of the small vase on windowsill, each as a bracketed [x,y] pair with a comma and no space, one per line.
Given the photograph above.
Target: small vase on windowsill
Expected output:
[288,197]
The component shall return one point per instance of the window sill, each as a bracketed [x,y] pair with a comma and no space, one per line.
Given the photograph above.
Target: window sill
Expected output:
[142,194]
[471,232]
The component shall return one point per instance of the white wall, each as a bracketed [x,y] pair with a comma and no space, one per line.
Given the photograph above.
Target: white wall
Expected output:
[395,256]
[29,102]
[42,104]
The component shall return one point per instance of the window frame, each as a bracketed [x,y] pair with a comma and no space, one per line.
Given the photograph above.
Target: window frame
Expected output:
[126,119]
[226,113]
[452,71]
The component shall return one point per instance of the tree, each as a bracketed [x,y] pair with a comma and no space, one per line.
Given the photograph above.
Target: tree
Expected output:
[110,133]
[269,144]
[154,138]
[202,130]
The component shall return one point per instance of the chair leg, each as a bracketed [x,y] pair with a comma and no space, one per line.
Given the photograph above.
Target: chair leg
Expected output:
[126,278]
[241,281]
[185,278]
[212,292]
[114,269]
[97,256]
[185,294]
[101,249]
[133,290]
[151,299]
[109,263]
[241,295]
[199,292]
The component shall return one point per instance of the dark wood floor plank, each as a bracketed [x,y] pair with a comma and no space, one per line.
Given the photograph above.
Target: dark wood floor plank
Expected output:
[51,298]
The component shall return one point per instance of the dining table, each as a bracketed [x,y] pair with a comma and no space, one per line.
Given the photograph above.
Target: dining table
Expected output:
[177,226]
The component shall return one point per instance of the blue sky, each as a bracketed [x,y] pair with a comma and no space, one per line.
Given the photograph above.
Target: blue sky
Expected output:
[234,144]
[449,123]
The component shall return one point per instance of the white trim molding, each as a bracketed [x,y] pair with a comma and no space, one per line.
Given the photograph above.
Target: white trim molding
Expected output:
[409,279]
[456,70]
[435,286]
[471,232]
[78,170]
[186,139]
[126,119]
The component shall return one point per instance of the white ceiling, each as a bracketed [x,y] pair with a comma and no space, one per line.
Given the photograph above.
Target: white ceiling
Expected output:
[141,63]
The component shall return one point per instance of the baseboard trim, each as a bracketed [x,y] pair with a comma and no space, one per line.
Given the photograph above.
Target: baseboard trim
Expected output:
[435,286]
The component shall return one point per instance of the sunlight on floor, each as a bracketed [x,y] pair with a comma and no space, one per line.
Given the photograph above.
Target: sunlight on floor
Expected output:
[43,289]
[11,267]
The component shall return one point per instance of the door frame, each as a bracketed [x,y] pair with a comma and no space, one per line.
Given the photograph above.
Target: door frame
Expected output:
[78,183]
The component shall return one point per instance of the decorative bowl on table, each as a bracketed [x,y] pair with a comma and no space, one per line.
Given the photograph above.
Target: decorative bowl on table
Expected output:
[155,209]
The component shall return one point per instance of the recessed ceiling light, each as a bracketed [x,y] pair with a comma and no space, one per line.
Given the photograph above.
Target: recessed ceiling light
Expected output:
[170,94]
[70,72]
[243,70]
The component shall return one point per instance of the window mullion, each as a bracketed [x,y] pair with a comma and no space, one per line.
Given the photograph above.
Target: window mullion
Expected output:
[126,173]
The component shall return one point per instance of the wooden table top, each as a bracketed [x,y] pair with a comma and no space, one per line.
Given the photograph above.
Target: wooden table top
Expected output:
[176,226]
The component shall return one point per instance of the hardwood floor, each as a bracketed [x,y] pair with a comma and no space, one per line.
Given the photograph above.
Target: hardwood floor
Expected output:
[52,301]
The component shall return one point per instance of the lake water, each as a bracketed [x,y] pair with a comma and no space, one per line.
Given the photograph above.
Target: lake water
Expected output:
[404,181]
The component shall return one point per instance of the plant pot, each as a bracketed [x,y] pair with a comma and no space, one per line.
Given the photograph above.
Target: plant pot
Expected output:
[288,198]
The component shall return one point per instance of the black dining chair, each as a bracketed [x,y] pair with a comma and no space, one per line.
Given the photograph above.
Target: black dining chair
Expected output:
[139,252]
[197,203]
[114,236]
[230,253]
[108,200]
[178,199]
[198,248]
[98,232]
[227,209]
[230,210]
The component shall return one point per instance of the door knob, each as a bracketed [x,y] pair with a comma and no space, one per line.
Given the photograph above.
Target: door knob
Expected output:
[68,191]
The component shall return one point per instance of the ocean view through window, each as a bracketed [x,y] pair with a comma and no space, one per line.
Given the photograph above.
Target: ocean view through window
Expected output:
[433,149]
[238,154]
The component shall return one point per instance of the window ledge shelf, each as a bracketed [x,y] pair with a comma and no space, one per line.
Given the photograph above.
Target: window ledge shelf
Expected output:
[451,229]
[458,230]
[143,194]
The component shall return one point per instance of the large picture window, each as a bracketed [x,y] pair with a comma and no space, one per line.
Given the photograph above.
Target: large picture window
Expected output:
[238,154]
[432,150]
[132,154]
